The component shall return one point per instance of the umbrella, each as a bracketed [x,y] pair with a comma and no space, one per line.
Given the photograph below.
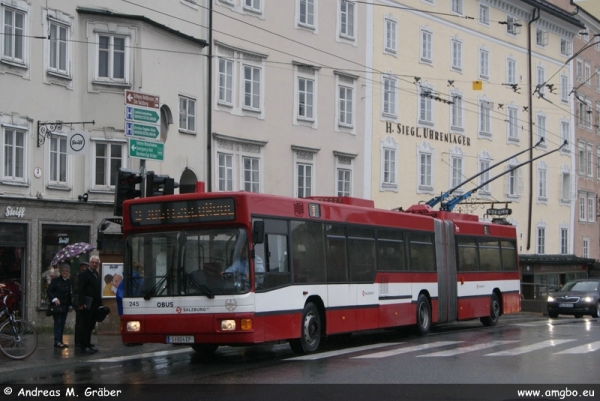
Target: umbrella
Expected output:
[70,251]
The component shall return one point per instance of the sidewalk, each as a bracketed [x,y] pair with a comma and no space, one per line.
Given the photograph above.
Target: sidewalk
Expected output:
[108,345]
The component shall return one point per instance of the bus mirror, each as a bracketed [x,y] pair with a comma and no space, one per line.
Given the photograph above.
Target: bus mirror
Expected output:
[258,232]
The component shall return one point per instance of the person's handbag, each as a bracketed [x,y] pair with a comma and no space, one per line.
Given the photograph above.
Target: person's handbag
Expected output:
[54,310]
[49,310]
[101,313]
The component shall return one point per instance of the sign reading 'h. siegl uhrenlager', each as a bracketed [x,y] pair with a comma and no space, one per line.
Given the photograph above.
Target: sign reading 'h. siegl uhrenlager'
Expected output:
[427,133]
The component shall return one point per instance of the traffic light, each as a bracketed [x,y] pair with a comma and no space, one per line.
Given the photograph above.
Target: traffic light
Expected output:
[126,188]
[157,185]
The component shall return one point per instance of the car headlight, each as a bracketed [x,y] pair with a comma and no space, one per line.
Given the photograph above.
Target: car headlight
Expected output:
[588,299]
[550,298]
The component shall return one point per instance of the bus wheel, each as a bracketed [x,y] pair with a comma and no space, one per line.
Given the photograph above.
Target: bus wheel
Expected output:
[205,350]
[310,335]
[492,319]
[423,315]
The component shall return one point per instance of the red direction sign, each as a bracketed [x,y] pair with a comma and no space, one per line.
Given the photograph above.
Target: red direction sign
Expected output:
[142,99]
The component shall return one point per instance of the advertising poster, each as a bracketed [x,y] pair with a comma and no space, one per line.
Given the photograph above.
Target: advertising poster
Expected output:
[112,275]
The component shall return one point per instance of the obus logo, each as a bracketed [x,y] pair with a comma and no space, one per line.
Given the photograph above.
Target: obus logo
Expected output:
[367,293]
[77,142]
[164,304]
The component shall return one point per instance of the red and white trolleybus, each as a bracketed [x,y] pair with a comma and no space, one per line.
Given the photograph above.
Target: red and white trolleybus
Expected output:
[314,267]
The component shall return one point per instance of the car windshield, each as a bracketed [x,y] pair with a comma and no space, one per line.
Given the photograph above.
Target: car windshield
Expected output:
[581,286]
[186,263]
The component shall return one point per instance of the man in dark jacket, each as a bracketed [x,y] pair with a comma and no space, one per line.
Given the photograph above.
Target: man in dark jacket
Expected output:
[83,266]
[88,296]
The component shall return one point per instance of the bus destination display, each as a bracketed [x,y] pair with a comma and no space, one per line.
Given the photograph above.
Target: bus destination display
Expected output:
[182,212]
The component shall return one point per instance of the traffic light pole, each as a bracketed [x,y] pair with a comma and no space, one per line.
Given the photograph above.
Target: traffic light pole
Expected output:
[143,174]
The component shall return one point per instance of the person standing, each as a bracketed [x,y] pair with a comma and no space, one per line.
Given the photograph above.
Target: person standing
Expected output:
[59,294]
[75,283]
[90,300]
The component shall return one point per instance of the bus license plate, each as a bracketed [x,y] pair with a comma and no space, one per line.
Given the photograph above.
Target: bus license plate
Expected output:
[180,339]
[565,305]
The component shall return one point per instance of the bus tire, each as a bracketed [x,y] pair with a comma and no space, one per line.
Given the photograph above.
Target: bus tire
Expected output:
[310,331]
[495,309]
[205,350]
[423,315]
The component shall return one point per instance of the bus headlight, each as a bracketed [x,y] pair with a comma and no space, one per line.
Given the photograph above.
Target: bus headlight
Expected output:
[133,325]
[228,325]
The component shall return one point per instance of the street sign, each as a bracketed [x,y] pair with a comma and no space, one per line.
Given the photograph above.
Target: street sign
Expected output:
[142,99]
[142,114]
[141,130]
[146,150]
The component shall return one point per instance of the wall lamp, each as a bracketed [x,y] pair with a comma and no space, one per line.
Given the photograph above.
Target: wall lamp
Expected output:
[83,198]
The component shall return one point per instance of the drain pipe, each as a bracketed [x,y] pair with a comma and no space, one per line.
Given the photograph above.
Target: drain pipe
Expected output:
[536,16]
[209,100]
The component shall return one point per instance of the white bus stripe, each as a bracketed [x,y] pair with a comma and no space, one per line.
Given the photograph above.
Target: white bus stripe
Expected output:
[582,349]
[329,354]
[528,348]
[405,350]
[463,350]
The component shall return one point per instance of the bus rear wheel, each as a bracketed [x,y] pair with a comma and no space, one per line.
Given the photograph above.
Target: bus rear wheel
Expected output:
[423,315]
[205,350]
[310,333]
[492,319]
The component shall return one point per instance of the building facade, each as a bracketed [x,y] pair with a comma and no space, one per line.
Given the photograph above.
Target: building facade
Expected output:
[64,69]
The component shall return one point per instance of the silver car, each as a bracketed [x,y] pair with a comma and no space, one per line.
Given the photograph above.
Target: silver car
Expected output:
[577,298]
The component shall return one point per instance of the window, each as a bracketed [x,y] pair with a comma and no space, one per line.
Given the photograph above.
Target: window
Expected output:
[591,208]
[564,88]
[112,57]
[390,35]
[109,157]
[456,55]
[14,35]
[252,5]
[306,92]
[58,159]
[308,252]
[598,163]
[582,206]
[187,114]
[514,180]
[304,175]
[251,174]
[456,112]
[57,60]
[582,158]
[389,96]
[579,70]
[541,37]
[588,159]
[345,105]
[587,73]
[252,87]
[426,46]
[542,182]
[344,181]
[541,80]
[512,25]
[541,129]
[484,14]
[14,154]
[511,71]
[564,241]
[426,105]
[484,164]
[597,74]
[513,124]
[457,6]
[225,81]
[485,118]
[456,173]
[389,163]
[586,247]
[565,131]
[541,240]
[225,173]
[566,47]
[425,168]
[565,195]
[347,19]
[306,13]
[484,64]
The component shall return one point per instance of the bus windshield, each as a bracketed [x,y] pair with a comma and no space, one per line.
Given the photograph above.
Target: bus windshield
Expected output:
[180,263]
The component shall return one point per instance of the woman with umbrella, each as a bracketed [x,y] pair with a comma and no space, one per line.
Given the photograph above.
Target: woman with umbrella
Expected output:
[59,294]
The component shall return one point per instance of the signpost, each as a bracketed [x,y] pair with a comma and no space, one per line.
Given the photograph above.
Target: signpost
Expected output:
[138,130]
[146,150]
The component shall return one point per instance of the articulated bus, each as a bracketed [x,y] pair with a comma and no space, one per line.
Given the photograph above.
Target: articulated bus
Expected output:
[315,267]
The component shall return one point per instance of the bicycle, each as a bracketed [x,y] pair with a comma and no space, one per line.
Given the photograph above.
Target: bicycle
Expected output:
[18,338]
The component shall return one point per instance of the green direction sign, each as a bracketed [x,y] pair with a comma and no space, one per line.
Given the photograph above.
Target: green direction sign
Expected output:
[142,115]
[146,150]
[141,130]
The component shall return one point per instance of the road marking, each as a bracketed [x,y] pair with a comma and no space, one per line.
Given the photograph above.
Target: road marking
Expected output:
[329,354]
[528,348]
[582,349]
[405,350]
[137,356]
[463,350]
